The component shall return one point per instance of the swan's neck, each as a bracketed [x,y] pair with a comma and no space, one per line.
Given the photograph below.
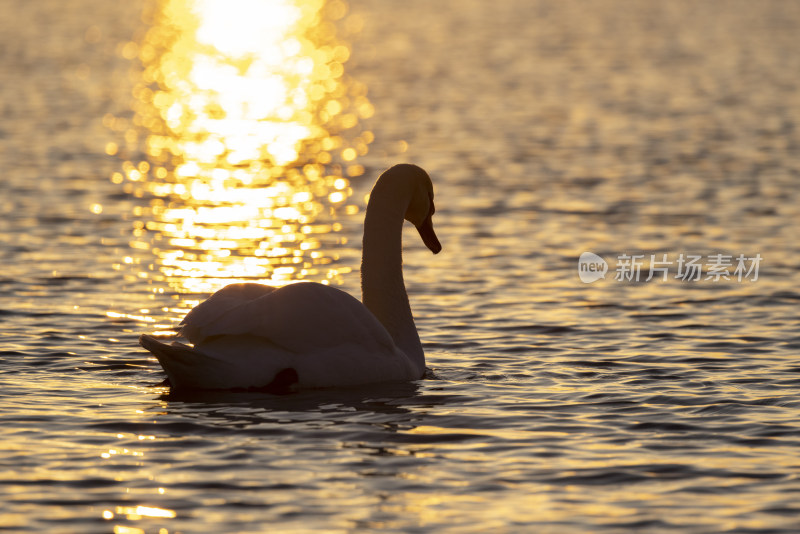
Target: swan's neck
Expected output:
[382,288]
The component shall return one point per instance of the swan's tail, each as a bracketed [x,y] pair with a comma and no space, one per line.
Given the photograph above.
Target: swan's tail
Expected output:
[188,367]
[162,350]
[179,361]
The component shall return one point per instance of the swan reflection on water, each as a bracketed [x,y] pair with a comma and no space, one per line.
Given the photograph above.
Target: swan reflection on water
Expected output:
[394,398]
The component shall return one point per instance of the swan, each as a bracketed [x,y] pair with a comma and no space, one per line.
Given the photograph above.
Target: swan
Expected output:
[310,335]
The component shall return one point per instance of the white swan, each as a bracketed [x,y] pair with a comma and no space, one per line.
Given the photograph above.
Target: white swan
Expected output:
[309,335]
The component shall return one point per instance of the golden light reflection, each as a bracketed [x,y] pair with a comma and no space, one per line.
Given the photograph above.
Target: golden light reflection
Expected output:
[138,512]
[244,136]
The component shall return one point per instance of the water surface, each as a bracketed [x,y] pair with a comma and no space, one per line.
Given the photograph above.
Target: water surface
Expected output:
[550,129]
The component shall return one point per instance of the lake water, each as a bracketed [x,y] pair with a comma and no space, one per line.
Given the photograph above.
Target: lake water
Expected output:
[153,152]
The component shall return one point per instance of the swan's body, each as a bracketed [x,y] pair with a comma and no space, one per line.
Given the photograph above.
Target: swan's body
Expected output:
[310,335]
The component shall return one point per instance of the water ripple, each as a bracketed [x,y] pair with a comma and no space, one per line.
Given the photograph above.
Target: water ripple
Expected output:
[550,405]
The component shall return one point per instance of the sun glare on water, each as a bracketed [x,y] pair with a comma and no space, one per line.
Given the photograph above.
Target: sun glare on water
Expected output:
[245,133]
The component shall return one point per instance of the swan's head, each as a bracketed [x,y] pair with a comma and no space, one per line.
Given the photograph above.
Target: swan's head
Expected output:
[420,207]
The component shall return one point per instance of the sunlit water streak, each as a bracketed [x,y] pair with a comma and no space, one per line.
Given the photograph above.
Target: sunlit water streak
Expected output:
[550,129]
[250,131]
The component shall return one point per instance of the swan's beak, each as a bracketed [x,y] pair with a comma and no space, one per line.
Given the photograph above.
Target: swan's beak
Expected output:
[428,235]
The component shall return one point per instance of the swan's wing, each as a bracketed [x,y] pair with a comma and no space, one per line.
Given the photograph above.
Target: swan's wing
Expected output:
[304,317]
[224,300]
